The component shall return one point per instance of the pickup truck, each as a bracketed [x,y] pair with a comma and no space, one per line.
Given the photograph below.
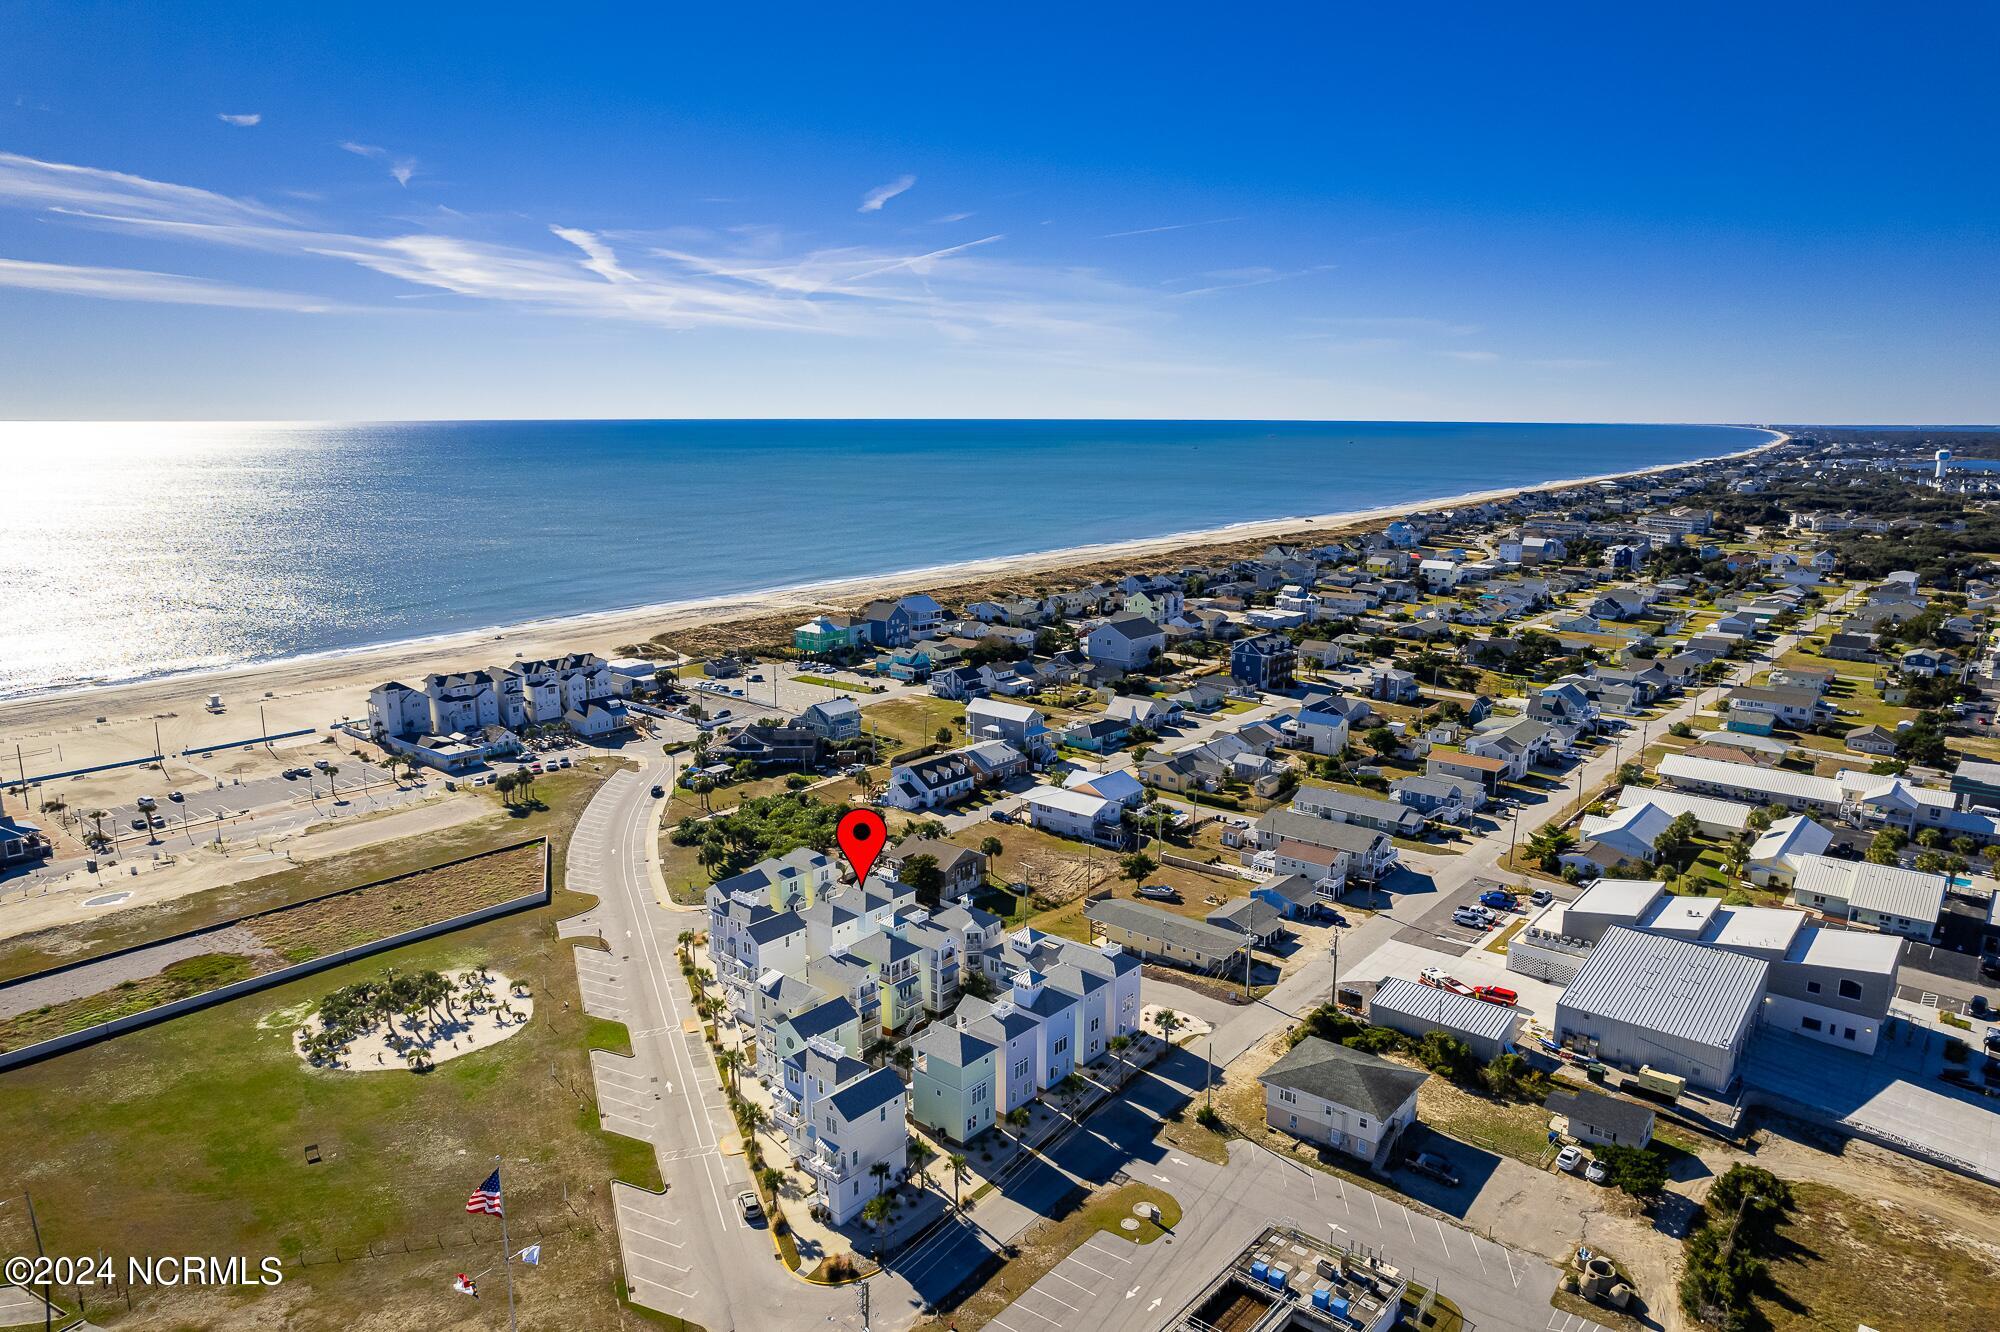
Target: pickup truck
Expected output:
[1434,1166]
[1498,900]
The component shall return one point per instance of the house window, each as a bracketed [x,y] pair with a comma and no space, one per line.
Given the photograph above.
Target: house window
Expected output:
[1850,989]
[1850,1033]
[1286,1097]
[1361,1123]
[1809,1023]
[1812,987]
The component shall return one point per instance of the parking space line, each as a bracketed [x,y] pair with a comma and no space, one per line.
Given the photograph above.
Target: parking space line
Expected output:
[1036,1289]
[1441,1239]
[1078,1284]
[1112,1254]
[1088,1268]
[1026,1310]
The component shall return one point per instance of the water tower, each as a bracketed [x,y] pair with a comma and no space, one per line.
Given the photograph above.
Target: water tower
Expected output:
[1943,457]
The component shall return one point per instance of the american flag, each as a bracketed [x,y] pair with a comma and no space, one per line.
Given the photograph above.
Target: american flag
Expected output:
[486,1198]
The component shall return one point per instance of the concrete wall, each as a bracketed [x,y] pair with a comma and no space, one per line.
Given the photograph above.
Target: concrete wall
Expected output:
[133,1021]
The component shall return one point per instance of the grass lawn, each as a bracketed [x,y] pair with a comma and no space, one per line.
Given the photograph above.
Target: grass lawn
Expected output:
[911,722]
[191,1137]
[1043,1247]
[1511,1128]
[561,796]
[1858,1260]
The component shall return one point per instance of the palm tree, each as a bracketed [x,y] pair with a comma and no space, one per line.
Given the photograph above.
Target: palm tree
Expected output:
[97,818]
[1018,1117]
[991,847]
[919,1154]
[332,787]
[960,1172]
[1118,1045]
[877,1210]
[754,1119]
[730,1060]
[881,1170]
[1168,1022]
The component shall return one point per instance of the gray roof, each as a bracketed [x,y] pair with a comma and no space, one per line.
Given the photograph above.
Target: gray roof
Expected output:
[1686,990]
[1630,1121]
[1316,831]
[1252,915]
[951,1045]
[1294,888]
[1165,926]
[1445,1009]
[1352,1078]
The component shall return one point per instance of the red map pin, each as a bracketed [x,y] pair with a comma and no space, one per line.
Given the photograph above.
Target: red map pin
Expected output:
[862,835]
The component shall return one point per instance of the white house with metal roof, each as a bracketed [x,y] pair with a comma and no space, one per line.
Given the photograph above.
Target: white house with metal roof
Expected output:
[1888,897]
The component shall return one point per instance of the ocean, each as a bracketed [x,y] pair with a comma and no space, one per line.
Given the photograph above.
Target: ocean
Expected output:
[130,551]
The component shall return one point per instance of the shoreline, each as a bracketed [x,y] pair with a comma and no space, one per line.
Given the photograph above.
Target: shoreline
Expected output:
[68,729]
[824,593]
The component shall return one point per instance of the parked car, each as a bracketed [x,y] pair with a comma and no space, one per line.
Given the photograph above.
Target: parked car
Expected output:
[1993,1038]
[1496,994]
[1001,816]
[753,1211]
[1498,899]
[139,821]
[176,797]
[1433,1165]
[1477,918]
[1596,1173]
[1979,1008]
[146,803]
[1541,897]
[1159,892]
[1570,1159]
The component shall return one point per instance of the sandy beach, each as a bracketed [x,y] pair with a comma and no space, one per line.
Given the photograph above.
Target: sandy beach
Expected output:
[81,728]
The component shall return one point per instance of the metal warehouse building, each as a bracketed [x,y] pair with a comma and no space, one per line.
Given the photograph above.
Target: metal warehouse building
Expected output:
[1406,1006]
[1678,1007]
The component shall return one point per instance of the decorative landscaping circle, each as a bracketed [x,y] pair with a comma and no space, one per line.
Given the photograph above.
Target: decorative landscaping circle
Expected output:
[412,1021]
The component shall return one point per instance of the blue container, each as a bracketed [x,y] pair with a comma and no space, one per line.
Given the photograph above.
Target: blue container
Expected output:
[1340,1308]
[1260,1270]
[1322,1297]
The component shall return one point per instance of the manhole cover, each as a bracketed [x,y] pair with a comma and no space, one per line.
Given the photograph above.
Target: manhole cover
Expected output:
[1128,1224]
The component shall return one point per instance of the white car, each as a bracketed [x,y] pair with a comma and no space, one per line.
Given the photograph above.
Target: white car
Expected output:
[1476,917]
[1541,897]
[1595,1172]
[1569,1159]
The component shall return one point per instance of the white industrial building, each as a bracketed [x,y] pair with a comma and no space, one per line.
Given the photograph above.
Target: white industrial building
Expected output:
[1414,1009]
[1651,1001]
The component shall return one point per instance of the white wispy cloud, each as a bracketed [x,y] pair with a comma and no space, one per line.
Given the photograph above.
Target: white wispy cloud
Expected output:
[130,284]
[400,168]
[246,119]
[598,256]
[949,217]
[1171,226]
[1471,355]
[755,277]
[1234,279]
[872,201]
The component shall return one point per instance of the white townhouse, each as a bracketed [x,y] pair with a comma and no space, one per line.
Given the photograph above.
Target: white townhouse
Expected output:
[1018,724]
[841,1119]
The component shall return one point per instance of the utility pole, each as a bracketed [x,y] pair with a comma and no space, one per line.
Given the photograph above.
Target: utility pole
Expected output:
[861,1299]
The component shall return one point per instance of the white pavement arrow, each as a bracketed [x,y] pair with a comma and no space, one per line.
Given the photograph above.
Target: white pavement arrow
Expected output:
[1163,1179]
[1130,1293]
[1154,1305]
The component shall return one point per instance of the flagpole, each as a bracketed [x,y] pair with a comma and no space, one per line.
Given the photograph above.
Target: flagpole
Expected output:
[506,1250]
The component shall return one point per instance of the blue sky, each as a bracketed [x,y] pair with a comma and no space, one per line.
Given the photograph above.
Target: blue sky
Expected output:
[1492,212]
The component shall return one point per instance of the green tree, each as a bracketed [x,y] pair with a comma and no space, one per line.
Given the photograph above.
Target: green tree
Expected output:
[921,872]
[991,847]
[1886,847]
[1137,866]
[1640,1172]
[960,1171]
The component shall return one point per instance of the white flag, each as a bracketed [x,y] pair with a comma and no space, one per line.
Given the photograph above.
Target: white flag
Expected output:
[532,1255]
